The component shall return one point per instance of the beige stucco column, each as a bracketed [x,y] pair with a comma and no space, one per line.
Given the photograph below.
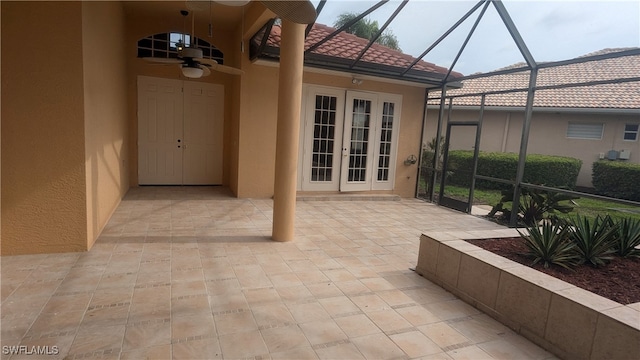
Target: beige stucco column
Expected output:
[288,131]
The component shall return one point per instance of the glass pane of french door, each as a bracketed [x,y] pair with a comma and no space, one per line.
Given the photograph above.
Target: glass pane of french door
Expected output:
[324,132]
[360,141]
[359,145]
[386,138]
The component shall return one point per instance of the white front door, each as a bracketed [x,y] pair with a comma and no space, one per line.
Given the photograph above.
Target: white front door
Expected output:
[180,132]
[349,140]
[160,131]
[203,124]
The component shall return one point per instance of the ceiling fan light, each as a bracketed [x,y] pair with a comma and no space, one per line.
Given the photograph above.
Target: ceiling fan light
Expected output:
[192,72]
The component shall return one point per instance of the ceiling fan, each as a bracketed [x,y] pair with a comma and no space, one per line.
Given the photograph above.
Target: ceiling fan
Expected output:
[190,59]
[191,62]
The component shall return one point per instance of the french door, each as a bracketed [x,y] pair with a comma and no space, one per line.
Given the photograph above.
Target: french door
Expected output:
[349,140]
[180,132]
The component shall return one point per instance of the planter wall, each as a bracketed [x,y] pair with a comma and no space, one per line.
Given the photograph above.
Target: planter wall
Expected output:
[566,320]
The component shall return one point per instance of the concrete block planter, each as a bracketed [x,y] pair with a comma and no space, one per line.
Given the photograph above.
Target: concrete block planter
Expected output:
[568,321]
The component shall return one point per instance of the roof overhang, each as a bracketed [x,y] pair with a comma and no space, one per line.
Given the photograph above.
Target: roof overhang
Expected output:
[357,75]
[318,61]
[603,111]
[262,49]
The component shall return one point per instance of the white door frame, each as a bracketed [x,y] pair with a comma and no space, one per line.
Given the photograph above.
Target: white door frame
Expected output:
[382,141]
[190,154]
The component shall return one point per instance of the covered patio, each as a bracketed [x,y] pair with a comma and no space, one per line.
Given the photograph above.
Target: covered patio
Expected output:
[133,272]
[190,272]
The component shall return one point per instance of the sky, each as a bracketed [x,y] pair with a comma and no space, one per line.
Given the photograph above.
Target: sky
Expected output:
[552,30]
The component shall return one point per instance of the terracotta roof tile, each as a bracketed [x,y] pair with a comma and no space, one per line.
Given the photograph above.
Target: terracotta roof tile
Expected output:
[613,96]
[349,46]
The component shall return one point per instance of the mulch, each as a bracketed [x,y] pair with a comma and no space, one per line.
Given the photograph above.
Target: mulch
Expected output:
[618,280]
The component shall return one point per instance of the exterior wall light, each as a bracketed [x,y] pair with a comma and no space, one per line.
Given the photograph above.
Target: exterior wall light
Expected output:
[412,159]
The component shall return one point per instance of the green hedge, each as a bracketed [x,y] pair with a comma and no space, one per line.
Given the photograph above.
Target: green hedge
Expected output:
[617,179]
[549,170]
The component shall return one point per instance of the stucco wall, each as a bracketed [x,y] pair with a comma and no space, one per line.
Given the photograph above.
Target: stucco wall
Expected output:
[105,112]
[43,164]
[257,131]
[501,132]
[257,127]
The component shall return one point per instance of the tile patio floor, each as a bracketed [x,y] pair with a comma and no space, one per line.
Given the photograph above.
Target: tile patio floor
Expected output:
[190,273]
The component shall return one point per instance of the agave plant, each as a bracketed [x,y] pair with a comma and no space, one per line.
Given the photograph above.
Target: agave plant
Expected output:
[535,206]
[549,244]
[538,205]
[594,240]
[627,238]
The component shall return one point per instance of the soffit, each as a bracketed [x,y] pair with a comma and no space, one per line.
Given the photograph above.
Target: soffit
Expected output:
[204,11]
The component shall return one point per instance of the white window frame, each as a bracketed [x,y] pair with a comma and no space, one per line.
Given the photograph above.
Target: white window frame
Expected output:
[636,132]
[576,129]
[164,45]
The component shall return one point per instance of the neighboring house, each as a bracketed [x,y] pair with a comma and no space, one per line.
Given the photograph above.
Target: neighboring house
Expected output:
[587,122]
[84,118]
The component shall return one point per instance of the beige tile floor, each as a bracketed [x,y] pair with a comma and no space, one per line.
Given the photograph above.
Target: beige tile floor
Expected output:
[190,273]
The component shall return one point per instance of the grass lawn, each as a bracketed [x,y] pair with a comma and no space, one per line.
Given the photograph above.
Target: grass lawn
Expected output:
[583,206]
[593,207]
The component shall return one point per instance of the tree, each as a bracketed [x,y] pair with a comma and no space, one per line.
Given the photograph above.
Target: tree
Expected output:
[367,29]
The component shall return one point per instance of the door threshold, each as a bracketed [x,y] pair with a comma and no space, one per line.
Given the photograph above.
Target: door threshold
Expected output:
[348,197]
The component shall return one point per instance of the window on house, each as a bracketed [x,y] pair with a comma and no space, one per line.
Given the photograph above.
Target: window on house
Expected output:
[591,131]
[631,132]
[165,45]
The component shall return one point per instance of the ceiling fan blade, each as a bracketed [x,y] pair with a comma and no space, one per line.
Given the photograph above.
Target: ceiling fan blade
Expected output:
[164,60]
[218,67]
[298,11]
[206,70]
[208,62]
[227,69]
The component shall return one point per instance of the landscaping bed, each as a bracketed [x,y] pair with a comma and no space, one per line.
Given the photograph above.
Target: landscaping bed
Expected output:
[565,319]
[618,281]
